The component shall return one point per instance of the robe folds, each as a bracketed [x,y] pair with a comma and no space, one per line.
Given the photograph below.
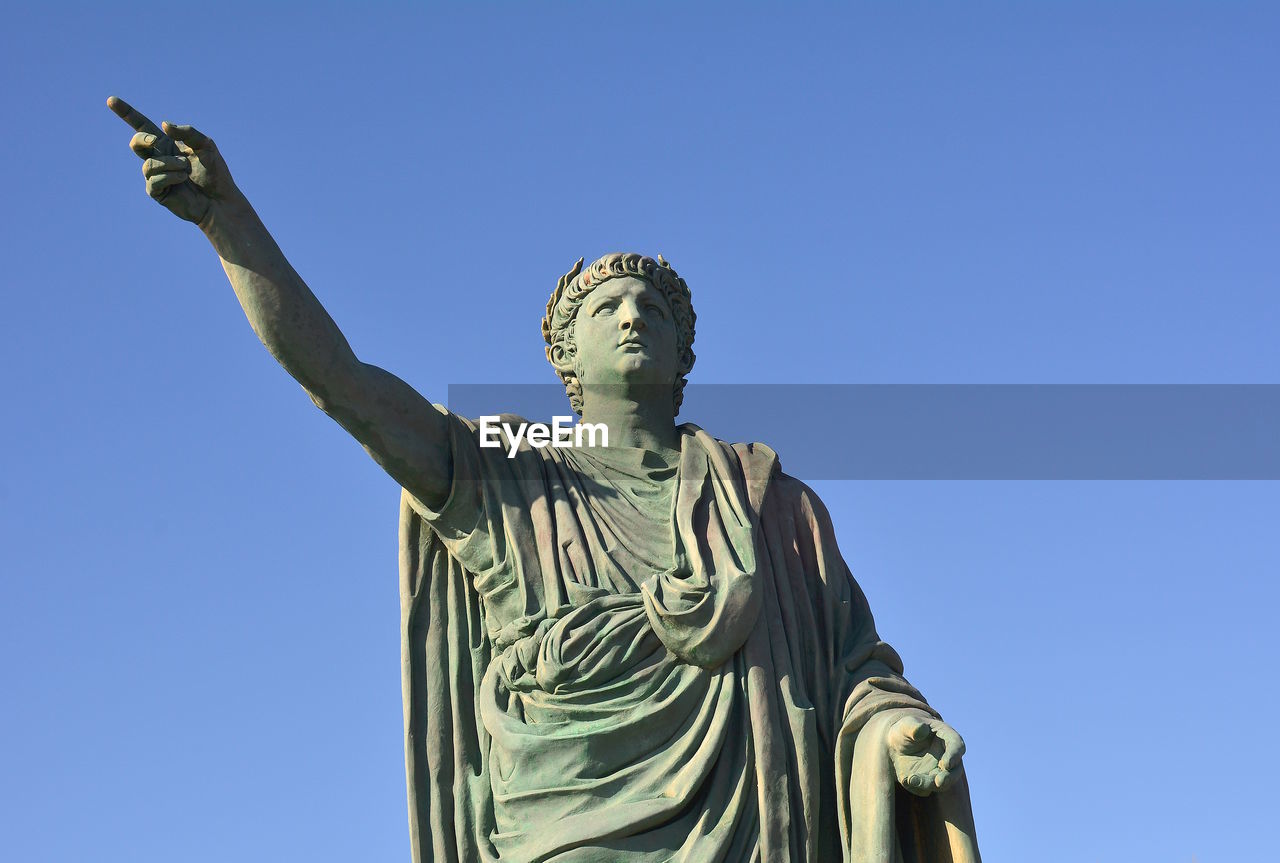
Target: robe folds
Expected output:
[611,658]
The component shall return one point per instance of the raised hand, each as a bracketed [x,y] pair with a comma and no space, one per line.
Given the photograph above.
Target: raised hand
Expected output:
[184,171]
[925,753]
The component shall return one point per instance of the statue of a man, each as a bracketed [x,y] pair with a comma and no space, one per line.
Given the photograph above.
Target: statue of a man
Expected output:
[646,651]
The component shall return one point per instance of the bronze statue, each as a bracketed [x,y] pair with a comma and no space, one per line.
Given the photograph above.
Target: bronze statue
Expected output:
[646,651]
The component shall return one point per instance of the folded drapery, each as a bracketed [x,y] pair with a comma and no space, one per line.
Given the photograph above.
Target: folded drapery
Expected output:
[611,658]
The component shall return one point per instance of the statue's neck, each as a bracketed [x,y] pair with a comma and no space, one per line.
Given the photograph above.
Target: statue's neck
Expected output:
[646,424]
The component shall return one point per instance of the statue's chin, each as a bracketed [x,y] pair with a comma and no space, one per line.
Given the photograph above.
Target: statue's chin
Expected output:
[637,369]
[640,367]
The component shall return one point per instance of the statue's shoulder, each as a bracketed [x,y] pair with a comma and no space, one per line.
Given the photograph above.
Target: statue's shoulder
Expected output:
[475,424]
[762,464]
[762,469]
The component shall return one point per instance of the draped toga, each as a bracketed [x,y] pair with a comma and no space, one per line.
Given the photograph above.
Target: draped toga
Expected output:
[608,657]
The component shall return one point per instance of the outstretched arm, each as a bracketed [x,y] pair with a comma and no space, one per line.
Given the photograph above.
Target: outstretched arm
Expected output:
[397,426]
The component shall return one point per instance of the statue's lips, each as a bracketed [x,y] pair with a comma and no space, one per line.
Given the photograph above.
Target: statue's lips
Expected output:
[633,346]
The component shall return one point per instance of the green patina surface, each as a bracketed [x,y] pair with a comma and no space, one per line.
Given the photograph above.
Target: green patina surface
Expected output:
[651,651]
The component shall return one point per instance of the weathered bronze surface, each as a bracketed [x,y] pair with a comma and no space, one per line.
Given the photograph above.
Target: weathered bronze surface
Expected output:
[646,651]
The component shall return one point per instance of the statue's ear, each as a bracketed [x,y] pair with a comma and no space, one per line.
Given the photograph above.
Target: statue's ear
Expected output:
[686,361]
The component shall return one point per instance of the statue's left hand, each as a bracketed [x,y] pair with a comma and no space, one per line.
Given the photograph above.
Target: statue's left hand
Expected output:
[925,753]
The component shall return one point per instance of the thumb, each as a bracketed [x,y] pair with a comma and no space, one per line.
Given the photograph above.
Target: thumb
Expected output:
[910,735]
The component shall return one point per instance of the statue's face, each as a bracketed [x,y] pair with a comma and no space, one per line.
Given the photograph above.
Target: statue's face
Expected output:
[624,334]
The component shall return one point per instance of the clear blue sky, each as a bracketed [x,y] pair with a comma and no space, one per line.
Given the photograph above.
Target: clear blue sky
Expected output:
[199,606]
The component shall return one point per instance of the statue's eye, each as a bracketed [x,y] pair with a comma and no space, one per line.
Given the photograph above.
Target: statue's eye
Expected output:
[605,309]
[654,307]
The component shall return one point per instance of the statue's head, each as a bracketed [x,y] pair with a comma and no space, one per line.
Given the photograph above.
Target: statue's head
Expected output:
[624,319]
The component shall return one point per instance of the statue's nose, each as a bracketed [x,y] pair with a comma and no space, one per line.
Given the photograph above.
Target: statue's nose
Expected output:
[631,322]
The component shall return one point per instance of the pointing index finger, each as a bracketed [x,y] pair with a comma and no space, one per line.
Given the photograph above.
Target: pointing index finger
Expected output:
[125,111]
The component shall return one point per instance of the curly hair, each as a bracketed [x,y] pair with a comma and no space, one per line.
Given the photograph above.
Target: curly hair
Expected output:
[572,289]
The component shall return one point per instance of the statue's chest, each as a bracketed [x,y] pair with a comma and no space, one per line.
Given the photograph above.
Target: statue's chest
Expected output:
[615,529]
